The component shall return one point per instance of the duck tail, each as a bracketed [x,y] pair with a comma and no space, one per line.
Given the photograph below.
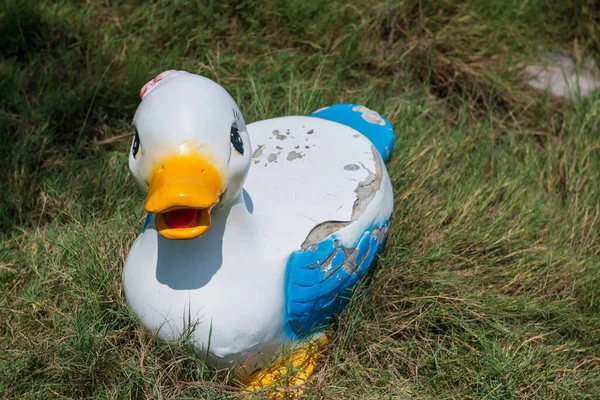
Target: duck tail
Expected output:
[368,122]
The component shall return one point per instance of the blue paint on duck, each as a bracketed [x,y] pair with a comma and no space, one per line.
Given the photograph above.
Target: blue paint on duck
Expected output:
[320,280]
[146,222]
[382,136]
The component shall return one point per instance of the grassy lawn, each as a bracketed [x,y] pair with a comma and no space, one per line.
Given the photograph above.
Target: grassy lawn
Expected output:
[489,285]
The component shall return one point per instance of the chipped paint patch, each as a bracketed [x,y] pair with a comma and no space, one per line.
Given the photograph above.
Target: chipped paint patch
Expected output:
[292,155]
[321,231]
[351,167]
[278,135]
[258,152]
[272,157]
[310,132]
[370,116]
[320,279]
[367,123]
[365,191]
[351,261]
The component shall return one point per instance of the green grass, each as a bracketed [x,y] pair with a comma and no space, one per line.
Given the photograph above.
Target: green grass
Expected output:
[489,285]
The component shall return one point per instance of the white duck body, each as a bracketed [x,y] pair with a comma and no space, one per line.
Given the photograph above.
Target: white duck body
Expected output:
[230,291]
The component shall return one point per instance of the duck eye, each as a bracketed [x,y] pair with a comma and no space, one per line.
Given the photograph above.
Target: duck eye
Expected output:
[236,140]
[135,147]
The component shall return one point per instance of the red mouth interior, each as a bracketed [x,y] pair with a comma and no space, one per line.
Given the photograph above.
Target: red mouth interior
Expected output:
[185,218]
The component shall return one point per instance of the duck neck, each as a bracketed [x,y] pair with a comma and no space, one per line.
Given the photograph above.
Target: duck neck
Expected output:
[235,214]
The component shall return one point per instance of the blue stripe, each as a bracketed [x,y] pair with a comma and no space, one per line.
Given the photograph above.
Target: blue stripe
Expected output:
[146,222]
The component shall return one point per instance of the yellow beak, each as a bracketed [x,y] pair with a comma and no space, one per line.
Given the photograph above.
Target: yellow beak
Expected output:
[182,191]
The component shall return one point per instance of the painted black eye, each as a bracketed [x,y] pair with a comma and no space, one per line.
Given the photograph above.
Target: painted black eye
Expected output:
[236,140]
[135,147]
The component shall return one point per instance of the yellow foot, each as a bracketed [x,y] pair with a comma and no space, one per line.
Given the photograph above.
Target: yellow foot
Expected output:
[286,378]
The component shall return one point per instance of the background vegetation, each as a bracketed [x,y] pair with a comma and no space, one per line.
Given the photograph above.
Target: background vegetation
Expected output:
[489,286]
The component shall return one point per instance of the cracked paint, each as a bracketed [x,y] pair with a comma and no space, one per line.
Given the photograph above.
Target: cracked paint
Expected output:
[365,191]
[351,260]
[320,279]
[321,231]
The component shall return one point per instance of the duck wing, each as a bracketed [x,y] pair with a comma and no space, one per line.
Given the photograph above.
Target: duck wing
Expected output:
[320,188]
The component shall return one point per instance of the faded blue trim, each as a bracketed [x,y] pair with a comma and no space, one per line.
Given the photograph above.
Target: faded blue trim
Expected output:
[319,280]
[146,222]
[382,136]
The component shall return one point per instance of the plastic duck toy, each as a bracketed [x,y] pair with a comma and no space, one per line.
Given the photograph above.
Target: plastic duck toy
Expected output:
[256,234]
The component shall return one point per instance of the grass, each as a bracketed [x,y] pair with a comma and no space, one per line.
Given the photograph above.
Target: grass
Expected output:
[489,285]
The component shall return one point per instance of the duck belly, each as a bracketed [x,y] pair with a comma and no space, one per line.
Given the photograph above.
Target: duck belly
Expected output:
[229,311]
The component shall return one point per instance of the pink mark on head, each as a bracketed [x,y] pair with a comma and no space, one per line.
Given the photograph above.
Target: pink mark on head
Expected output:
[150,85]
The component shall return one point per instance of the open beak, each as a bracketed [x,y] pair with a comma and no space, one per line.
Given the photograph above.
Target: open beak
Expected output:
[182,191]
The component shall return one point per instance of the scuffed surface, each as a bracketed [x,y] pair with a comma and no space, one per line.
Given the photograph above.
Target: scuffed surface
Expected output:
[364,194]
[321,231]
[292,155]
[366,189]
[369,115]
[278,135]
[258,152]
[320,279]
[321,276]
[327,215]
[368,122]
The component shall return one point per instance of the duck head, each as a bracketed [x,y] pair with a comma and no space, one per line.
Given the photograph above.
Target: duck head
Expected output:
[190,152]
